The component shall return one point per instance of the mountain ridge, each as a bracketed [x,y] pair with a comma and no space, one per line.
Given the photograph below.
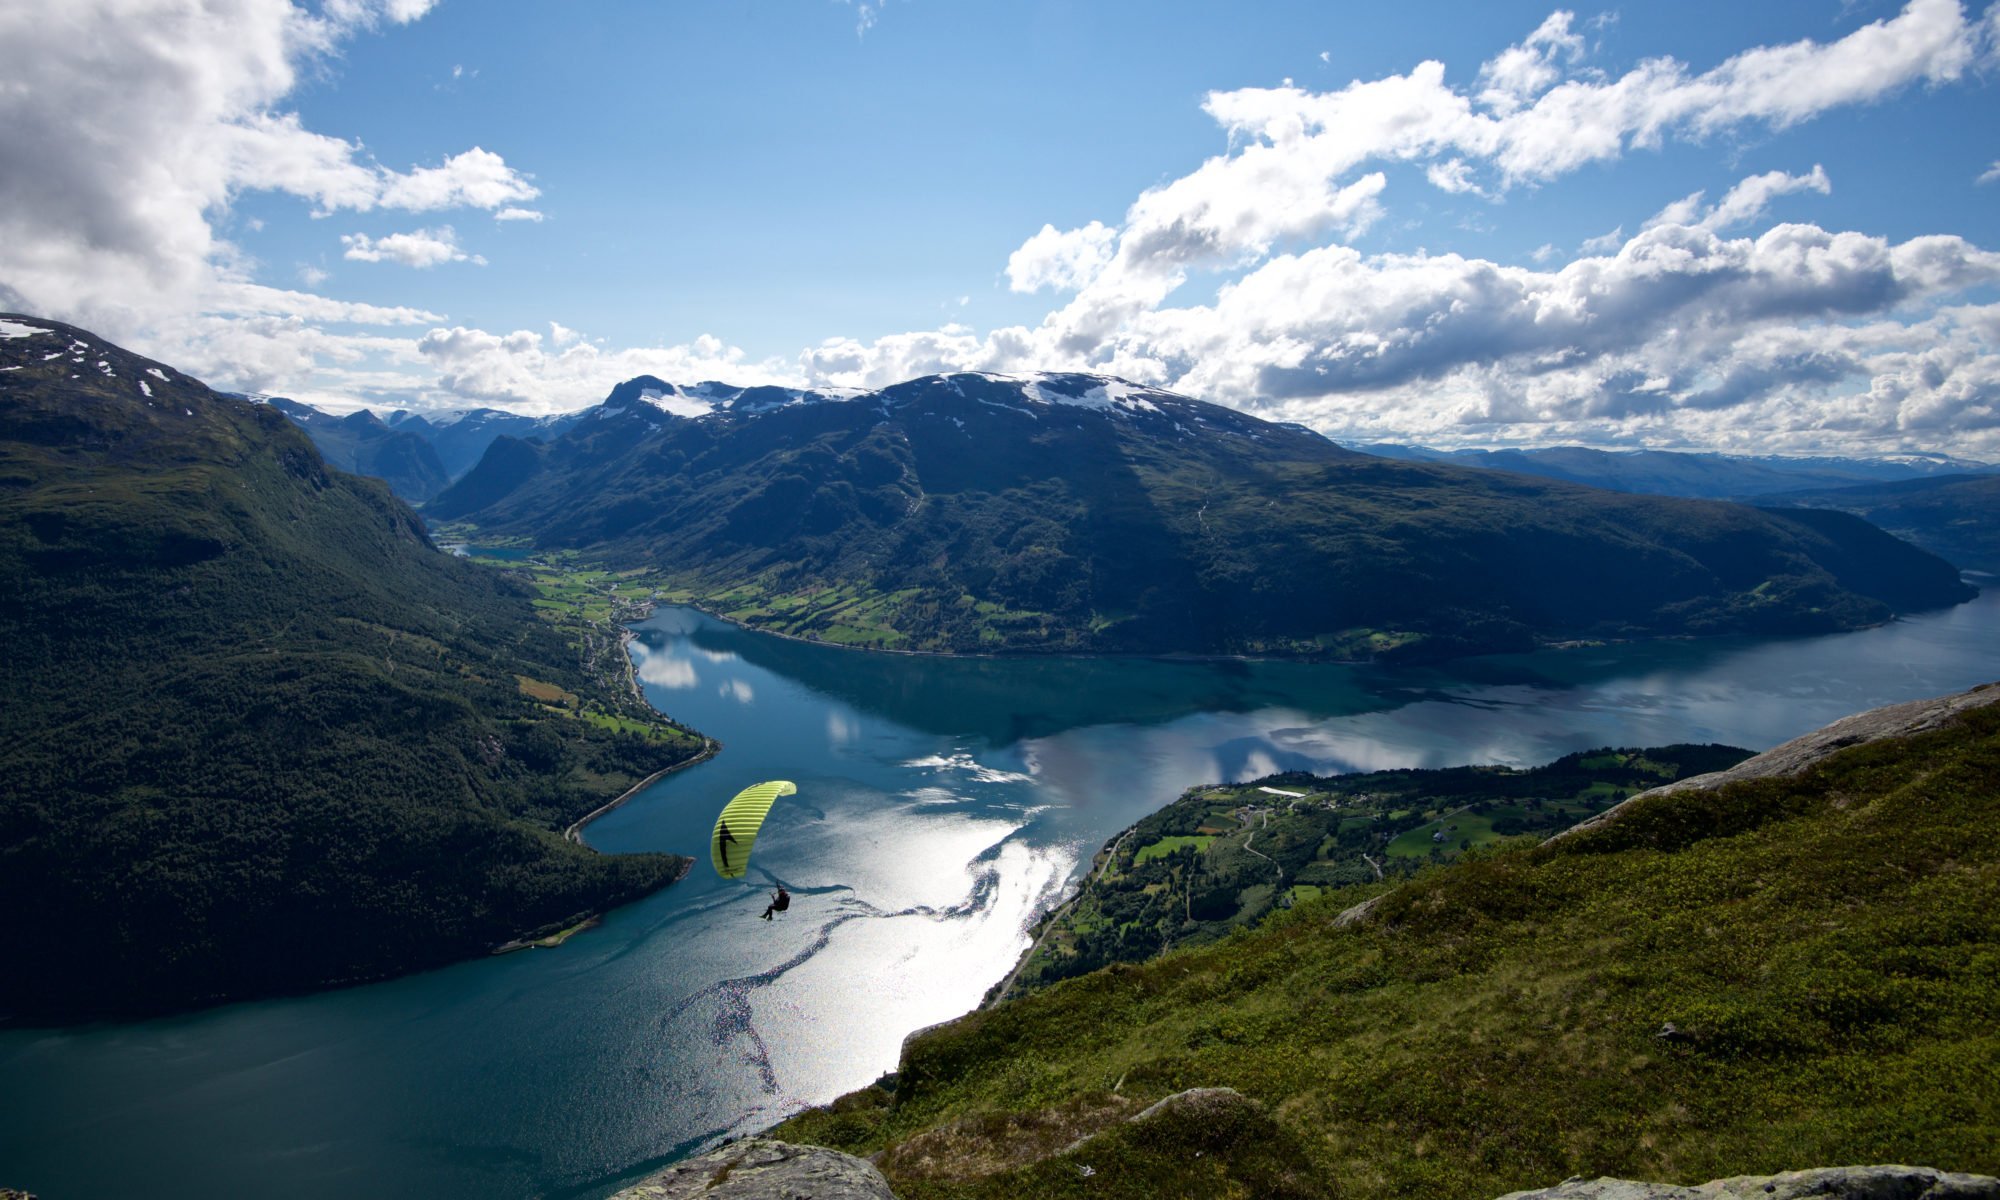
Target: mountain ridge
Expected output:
[262,736]
[973,512]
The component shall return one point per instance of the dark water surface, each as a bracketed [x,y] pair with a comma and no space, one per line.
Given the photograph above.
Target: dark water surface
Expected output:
[941,804]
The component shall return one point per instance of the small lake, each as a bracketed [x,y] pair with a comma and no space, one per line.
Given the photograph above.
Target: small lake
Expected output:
[942,803]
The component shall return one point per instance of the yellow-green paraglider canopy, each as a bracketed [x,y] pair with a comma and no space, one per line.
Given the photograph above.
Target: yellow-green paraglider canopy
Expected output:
[736,829]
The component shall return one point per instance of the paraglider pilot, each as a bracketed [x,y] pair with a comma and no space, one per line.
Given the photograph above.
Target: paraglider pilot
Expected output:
[780,901]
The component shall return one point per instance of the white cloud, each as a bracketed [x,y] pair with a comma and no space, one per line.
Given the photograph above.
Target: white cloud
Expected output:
[420,248]
[475,179]
[1604,243]
[1520,73]
[127,127]
[866,14]
[1453,175]
[1680,336]
[1993,172]
[1064,261]
[518,214]
[1291,174]
[517,370]
[1449,343]
[1745,202]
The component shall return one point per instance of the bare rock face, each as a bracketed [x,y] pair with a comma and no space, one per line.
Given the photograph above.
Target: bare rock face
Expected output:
[761,1169]
[1823,1183]
[1801,753]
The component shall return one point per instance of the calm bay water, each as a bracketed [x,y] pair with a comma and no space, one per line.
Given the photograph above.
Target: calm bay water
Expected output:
[941,804]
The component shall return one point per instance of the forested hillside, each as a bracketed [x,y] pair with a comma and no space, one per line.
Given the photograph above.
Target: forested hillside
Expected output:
[260,735]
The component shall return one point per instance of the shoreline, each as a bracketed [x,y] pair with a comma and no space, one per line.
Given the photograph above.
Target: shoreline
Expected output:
[1101,863]
[710,748]
[1166,656]
[646,609]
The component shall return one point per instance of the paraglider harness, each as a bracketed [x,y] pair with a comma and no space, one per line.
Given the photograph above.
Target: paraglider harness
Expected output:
[780,901]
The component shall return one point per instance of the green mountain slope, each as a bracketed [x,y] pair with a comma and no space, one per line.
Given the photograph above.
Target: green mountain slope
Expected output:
[260,735]
[1956,517]
[1075,512]
[1724,980]
[1223,857]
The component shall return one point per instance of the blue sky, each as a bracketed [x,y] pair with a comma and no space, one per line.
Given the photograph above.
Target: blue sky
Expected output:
[1276,205]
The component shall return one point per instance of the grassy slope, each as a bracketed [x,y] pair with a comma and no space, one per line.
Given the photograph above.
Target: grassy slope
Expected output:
[260,735]
[1829,947]
[1222,857]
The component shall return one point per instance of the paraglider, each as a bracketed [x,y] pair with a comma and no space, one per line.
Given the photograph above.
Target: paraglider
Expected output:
[736,828]
[780,901]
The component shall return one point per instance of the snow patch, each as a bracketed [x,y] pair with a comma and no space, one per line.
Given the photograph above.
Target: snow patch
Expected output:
[1012,408]
[14,329]
[145,389]
[158,374]
[676,403]
[1106,395]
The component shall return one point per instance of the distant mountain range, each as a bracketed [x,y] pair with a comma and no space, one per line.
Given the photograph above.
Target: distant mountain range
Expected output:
[1932,500]
[417,454]
[460,436]
[362,443]
[260,734]
[1678,473]
[975,512]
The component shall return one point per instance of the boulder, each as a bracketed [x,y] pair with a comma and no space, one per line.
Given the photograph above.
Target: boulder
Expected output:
[1822,1183]
[761,1169]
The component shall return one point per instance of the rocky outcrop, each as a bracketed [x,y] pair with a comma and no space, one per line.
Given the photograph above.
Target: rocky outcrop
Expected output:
[761,1169]
[1824,1183]
[1202,1104]
[1802,753]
